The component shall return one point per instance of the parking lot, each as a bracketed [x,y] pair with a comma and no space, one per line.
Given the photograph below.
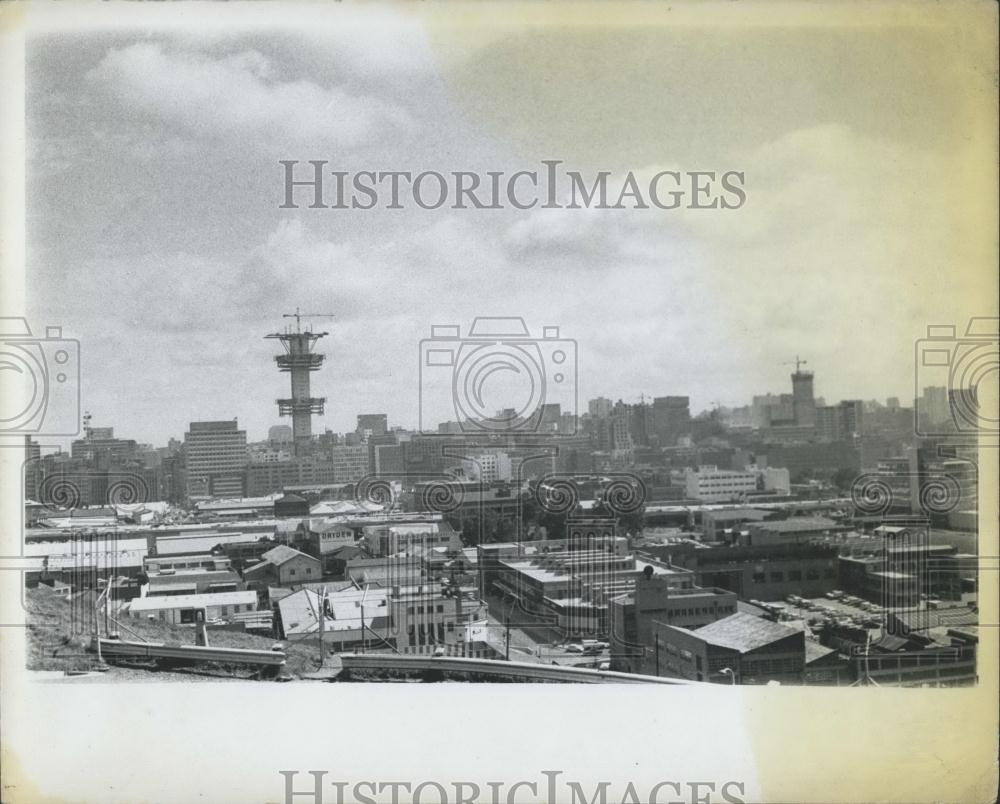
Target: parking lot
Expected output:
[842,610]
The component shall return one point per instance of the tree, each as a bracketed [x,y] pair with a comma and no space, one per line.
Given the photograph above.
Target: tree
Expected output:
[844,478]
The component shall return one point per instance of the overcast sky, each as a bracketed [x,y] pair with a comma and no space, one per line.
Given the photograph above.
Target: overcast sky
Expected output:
[155,234]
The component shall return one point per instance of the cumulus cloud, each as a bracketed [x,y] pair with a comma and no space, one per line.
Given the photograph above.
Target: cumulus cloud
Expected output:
[240,96]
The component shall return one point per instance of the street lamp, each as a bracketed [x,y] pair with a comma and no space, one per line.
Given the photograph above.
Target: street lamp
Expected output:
[728,671]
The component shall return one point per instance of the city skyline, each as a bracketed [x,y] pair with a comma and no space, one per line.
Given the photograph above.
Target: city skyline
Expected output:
[128,128]
[101,422]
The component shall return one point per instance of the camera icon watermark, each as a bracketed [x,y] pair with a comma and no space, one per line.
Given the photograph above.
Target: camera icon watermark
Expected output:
[956,380]
[932,494]
[40,378]
[498,379]
[64,491]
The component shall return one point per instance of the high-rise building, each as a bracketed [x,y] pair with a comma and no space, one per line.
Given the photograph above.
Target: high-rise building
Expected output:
[671,418]
[933,406]
[840,422]
[489,467]
[279,434]
[771,409]
[350,463]
[372,424]
[551,418]
[101,450]
[387,459]
[216,459]
[803,403]
[600,408]
[32,459]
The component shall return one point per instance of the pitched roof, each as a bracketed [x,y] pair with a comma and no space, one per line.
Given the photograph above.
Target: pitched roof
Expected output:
[890,643]
[347,551]
[815,651]
[330,526]
[923,619]
[300,610]
[744,632]
[282,554]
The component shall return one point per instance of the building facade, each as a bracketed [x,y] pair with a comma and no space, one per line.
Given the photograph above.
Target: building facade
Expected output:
[216,459]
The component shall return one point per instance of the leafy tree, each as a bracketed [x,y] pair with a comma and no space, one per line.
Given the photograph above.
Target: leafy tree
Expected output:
[844,478]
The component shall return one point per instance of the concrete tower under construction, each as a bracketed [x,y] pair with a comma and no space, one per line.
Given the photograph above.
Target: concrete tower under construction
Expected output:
[299,360]
[803,401]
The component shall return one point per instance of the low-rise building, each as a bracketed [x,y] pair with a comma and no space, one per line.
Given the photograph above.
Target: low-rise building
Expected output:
[192,582]
[740,649]
[410,538]
[759,573]
[185,563]
[825,666]
[180,609]
[282,565]
[718,525]
[794,530]
[920,659]
[390,571]
[407,619]
[711,484]
[654,599]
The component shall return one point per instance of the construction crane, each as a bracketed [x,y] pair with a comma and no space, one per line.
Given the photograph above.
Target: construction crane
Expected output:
[298,316]
[797,362]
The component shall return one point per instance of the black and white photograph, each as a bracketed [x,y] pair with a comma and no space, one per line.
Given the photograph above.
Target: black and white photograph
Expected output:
[648,349]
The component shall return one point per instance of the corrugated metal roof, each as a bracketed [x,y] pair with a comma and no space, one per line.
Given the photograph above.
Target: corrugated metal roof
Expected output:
[193,601]
[283,553]
[744,632]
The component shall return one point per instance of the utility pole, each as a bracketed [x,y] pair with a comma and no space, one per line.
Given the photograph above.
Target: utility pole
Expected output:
[322,622]
[364,633]
[507,651]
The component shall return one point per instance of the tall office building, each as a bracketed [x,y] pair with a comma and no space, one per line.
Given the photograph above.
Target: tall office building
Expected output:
[934,406]
[840,422]
[803,402]
[599,408]
[551,418]
[671,418]
[350,463]
[771,409]
[32,462]
[101,450]
[216,459]
[372,424]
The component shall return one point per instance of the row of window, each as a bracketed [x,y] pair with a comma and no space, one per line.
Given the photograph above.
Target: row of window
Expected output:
[753,667]
[673,650]
[425,610]
[425,633]
[697,612]
[793,575]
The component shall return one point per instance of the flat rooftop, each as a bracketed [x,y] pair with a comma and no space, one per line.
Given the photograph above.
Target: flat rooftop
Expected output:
[193,601]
